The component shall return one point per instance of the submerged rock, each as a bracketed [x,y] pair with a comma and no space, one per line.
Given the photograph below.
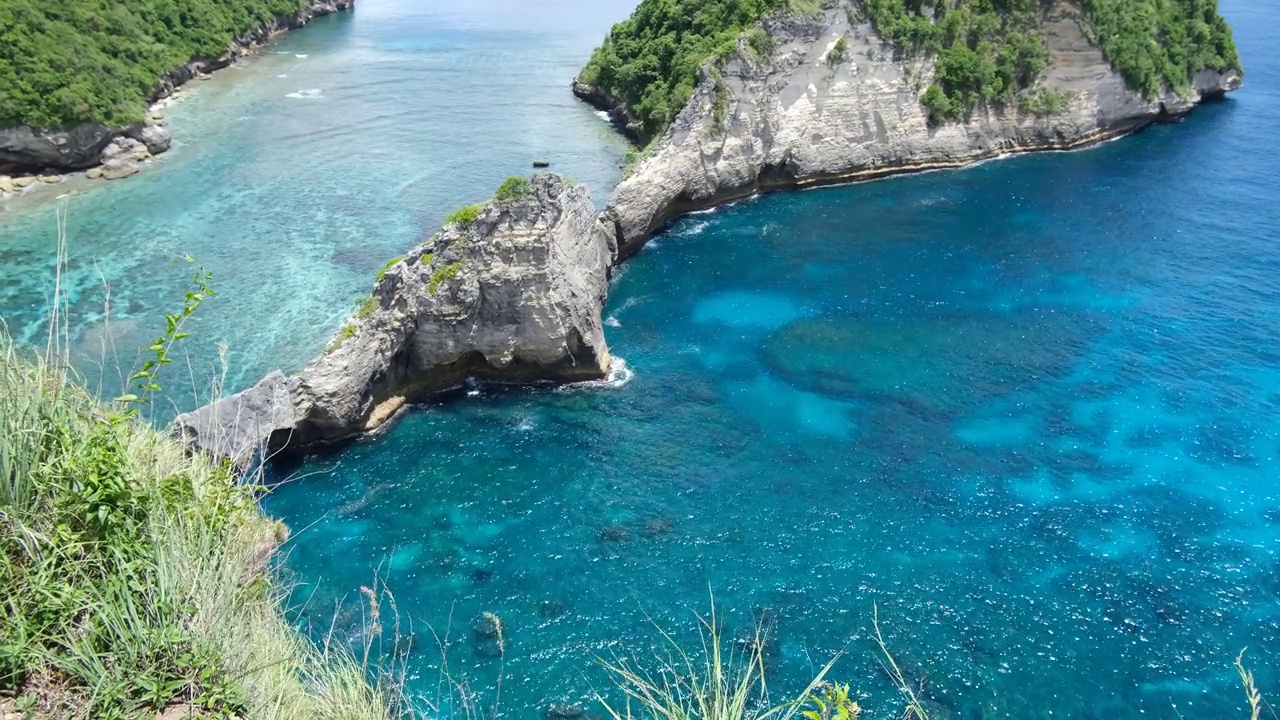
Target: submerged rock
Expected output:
[937,363]
[513,295]
[118,168]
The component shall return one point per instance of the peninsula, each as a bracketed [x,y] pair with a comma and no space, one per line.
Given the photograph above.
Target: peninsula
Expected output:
[736,97]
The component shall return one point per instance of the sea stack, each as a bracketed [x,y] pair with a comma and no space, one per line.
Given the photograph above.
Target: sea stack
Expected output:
[509,291]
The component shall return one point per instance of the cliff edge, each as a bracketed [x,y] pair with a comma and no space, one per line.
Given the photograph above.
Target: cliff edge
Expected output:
[510,291]
[830,100]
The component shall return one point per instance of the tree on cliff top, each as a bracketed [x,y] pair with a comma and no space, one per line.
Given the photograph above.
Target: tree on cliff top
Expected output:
[650,61]
[67,62]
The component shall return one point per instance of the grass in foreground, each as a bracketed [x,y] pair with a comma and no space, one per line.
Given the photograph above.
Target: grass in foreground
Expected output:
[725,684]
[131,575]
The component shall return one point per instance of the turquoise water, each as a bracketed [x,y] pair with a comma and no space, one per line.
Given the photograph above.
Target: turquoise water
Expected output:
[1028,409]
[295,177]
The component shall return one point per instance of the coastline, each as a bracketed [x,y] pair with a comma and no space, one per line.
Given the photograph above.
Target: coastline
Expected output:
[34,157]
[766,185]
[792,120]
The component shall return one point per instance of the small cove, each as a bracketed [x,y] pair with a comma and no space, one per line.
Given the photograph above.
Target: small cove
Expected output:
[1028,408]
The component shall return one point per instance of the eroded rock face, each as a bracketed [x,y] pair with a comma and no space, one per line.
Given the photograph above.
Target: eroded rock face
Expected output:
[794,119]
[237,426]
[514,296]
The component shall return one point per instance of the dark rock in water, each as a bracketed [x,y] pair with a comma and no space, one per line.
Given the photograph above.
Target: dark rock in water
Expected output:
[541,164]
[656,527]
[512,296]
[136,306]
[614,534]
[552,609]
[562,711]
[480,576]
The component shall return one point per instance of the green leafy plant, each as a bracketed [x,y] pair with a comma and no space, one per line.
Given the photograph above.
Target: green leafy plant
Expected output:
[651,60]
[513,188]
[464,215]
[831,701]
[442,275]
[123,566]
[347,332]
[838,52]
[726,684]
[367,307]
[1156,44]
[390,263]
[1043,102]
[427,258]
[62,64]
[720,105]
[760,42]
[145,379]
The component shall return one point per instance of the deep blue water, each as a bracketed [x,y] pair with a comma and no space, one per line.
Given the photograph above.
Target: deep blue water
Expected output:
[1028,409]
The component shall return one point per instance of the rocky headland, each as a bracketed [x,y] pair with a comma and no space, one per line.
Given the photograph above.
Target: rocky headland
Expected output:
[513,290]
[31,154]
[832,101]
[510,291]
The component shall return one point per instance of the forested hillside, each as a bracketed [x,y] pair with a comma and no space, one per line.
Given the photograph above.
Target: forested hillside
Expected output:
[66,62]
[650,61]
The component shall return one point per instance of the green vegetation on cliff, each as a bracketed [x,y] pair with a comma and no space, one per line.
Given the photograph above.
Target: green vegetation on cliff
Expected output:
[131,574]
[650,61]
[1158,43]
[987,50]
[67,62]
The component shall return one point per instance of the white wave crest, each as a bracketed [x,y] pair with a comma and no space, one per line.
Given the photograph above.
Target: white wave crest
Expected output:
[619,375]
[312,94]
[695,228]
[612,321]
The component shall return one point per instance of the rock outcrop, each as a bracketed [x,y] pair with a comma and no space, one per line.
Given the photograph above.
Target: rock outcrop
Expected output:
[514,296]
[25,149]
[796,119]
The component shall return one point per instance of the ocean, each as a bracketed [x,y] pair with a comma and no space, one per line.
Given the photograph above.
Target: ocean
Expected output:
[1024,413]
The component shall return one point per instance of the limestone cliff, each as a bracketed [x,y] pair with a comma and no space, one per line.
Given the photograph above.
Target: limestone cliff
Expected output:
[25,149]
[513,295]
[797,118]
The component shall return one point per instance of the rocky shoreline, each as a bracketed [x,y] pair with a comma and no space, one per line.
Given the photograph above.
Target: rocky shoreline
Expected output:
[31,155]
[522,284]
[795,120]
